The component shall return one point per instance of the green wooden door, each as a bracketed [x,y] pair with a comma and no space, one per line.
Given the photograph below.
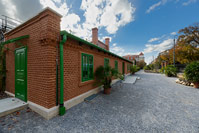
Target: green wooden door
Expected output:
[21,73]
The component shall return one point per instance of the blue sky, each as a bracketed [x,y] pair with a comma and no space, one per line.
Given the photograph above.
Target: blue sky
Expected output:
[134,26]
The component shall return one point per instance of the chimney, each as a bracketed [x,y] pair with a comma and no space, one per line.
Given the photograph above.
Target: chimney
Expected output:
[107,43]
[94,36]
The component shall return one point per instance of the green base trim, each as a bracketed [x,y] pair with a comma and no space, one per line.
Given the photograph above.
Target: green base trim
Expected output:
[62,110]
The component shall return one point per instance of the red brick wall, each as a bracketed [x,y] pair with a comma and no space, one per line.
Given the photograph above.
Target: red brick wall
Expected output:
[41,57]
[44,31]
[72,67]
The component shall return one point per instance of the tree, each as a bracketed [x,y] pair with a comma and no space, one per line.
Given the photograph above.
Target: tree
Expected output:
[187,45]
[186,53]
[141,64]
[189,35]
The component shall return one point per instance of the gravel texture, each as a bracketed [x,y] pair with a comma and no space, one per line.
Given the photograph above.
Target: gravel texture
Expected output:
[155,103]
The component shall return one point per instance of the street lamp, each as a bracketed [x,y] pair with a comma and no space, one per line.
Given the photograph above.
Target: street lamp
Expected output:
[174,40]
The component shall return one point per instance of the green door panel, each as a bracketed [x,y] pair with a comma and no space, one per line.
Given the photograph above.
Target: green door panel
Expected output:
[123,71]
[21,73]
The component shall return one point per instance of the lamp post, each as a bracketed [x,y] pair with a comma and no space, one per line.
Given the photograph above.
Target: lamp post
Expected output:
[174,40]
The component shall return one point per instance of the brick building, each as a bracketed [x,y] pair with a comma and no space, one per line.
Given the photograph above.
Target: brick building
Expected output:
[135,58]
[52,69]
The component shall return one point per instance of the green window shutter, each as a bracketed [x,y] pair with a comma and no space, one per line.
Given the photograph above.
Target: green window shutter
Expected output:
[87,67]
[106,62]
[116,65]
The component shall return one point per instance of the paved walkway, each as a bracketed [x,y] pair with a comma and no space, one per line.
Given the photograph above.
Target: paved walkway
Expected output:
[154,103]
[131,79]
[10,105]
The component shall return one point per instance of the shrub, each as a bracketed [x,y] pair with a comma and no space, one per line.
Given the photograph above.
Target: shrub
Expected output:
[138,68]
[104,76]
[151,66]
[162,70]
[133,69]
[170,71]
[121,76]
[147,67]
[192,72]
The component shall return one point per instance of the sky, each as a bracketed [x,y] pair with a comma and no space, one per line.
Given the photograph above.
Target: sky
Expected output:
[134,26]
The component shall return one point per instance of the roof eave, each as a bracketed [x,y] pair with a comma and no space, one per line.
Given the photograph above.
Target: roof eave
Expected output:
[91,44]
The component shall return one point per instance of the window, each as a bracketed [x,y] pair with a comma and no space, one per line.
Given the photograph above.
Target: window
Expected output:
[116,65]
[128,67]
[106,62]
[87,67]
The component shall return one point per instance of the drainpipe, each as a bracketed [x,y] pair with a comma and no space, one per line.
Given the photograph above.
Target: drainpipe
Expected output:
[62,109]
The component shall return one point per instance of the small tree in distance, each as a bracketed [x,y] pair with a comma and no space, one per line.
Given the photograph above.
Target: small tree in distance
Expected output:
[141,64]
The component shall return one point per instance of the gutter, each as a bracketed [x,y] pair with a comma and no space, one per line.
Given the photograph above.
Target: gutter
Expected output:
[92,45]
[62,109]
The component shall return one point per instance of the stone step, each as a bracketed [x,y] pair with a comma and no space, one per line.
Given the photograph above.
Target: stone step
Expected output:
[10,105]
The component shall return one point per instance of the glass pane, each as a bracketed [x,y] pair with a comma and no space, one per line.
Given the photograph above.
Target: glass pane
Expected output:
[90,67]
[85,72]
[106,62]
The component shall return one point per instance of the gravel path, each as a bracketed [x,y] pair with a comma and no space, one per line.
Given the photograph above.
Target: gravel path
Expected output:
[154,103]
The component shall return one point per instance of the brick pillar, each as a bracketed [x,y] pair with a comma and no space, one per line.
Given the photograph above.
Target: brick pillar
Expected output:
[94,36]
[49,39]
[107,43]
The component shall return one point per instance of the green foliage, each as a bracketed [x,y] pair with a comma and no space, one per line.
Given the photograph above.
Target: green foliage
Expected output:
[149,67]
[170,71]
[121,76]
[162,70]
[141,64]
[133,69]
[146,67]
[104,76]
[192,72]
[186,49]
[189,35]
[138,68]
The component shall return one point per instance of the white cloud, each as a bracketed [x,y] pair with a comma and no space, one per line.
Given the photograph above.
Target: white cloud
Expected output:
[153,7]
[114,44]
[121,51]
[163,2]
[173,33]
[10,8]
[62,8]
[148,59]
[154,39]
[110,14]
[188,2]
[164,45]
[117,50]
